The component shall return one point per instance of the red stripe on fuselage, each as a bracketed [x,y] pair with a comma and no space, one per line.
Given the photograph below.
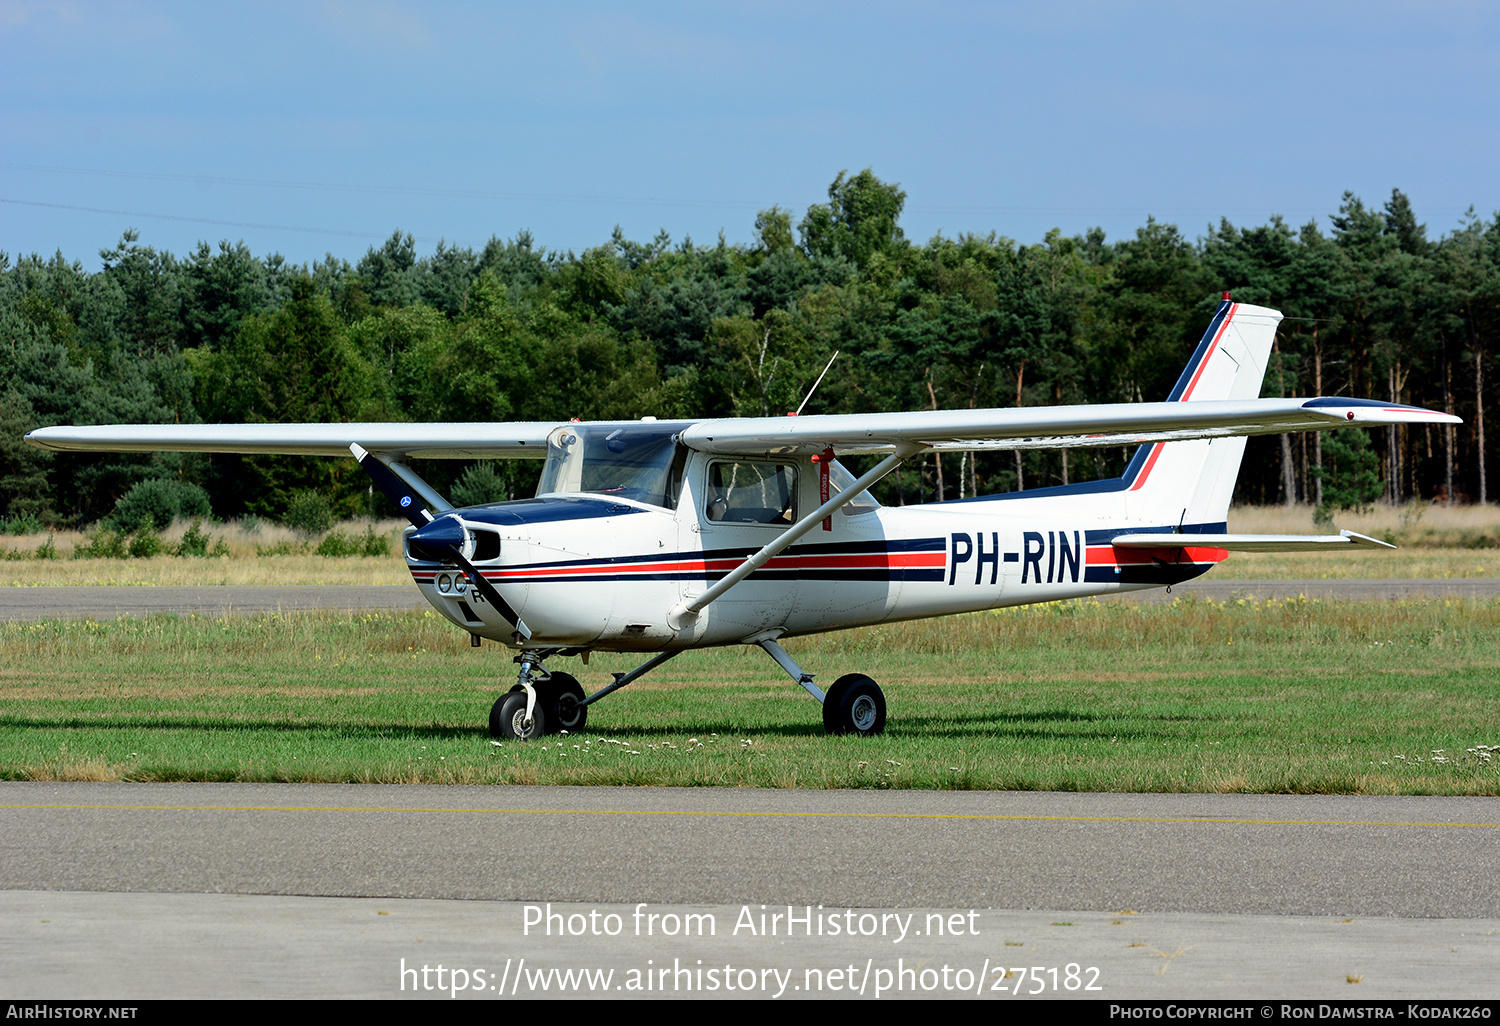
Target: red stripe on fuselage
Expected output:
[1187,393]
[1108,555]
[863,561]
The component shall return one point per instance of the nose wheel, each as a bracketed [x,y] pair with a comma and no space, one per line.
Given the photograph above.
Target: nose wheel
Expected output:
[508,718]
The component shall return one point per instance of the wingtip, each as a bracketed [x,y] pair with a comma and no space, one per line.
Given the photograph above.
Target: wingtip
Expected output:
[1364,540]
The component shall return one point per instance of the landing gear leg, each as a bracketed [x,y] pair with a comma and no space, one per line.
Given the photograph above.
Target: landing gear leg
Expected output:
[621,679]
[854,705]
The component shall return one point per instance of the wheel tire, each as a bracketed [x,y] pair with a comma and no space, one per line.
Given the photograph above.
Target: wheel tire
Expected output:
[507,718]
[831,699]
[854,705]
[561,692]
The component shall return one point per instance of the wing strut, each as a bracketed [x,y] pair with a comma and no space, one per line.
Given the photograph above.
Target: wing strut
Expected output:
[684,612]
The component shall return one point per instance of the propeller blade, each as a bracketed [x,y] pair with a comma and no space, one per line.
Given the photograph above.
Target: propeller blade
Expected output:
[395,489]
[491,596]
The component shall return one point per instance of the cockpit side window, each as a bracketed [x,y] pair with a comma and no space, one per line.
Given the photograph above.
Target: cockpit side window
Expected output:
[744,492]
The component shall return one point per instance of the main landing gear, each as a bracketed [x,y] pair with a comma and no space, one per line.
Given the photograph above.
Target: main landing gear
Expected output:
[854,705]
[543,702]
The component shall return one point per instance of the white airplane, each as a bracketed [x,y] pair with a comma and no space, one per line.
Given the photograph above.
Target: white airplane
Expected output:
[656,536]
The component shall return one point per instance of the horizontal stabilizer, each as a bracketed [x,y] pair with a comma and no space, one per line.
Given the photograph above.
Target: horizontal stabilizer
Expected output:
[1251,542]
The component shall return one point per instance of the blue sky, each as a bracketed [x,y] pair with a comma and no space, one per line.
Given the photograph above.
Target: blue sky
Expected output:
[315,127]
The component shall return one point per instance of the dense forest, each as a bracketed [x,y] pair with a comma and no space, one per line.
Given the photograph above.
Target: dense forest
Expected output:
[1375,309]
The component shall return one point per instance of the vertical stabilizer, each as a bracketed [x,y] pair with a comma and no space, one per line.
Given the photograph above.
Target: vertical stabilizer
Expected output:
[1191,483]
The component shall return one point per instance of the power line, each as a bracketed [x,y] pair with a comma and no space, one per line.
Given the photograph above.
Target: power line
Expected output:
[396,190]
[387,190]
[209,220]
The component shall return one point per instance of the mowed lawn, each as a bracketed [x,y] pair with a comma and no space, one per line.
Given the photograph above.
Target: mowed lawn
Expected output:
[1299,696]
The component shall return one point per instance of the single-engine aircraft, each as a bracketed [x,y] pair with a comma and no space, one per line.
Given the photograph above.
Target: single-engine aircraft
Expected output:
[657,537]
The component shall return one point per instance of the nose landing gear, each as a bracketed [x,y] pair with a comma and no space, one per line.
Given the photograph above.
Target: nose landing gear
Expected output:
[541,702]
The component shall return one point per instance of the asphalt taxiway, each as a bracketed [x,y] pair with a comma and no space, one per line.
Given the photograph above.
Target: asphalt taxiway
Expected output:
[325,889]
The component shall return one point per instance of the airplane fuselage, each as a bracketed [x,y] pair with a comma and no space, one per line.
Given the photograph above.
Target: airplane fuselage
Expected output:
[593,571]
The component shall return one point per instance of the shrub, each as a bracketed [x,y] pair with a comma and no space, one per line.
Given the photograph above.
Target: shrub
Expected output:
[21,523]
[281,548]
[47,549]
[481,483]
[374,544]
[195,543]
[104,543]
[145,544]
[155,504]
[309,513]
[338,544]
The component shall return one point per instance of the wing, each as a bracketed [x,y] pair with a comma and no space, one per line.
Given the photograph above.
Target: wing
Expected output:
[1046,427]
[1214,397]
[1039,427]
[433,441]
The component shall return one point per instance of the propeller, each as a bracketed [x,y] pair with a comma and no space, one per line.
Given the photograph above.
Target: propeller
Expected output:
[395,489]
[444,535]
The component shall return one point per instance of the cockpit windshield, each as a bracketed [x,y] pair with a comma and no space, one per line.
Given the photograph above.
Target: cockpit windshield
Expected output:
[633,461]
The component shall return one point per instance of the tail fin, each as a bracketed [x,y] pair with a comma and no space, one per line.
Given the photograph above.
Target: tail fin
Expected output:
[1187,484]
[1170,483]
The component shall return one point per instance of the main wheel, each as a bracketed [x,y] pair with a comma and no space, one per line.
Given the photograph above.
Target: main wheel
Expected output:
[508,718]
[854,705]
[561,693]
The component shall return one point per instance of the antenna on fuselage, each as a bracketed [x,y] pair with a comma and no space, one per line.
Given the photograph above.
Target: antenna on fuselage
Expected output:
[814,388]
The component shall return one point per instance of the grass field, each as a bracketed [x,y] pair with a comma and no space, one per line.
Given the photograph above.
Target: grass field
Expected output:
[1300,696]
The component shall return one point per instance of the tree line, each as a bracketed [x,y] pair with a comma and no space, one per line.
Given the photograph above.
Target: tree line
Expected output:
[513,331]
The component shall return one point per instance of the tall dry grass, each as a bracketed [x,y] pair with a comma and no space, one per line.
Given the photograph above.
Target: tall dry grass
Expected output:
[1435,541]
[259,553]
[1419,524]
